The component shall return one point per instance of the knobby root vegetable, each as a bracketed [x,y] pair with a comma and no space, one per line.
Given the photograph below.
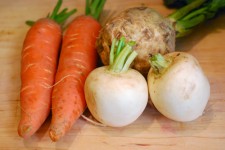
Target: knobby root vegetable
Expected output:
[178,86]
[38,66]
[153,32]
[150,30]
[78,57]
[117,95]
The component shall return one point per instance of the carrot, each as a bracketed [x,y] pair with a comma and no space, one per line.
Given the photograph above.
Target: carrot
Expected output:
[77,59]
[38,66]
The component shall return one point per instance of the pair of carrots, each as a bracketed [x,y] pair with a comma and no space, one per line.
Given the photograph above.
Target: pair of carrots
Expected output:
[49,85]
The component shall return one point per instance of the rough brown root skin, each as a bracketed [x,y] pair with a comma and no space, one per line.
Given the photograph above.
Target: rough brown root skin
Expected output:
[151,31]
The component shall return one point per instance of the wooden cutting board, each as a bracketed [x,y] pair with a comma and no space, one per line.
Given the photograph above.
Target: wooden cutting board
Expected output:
[151,130]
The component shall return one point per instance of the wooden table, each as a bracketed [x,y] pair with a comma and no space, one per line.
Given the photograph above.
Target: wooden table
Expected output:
[151,130]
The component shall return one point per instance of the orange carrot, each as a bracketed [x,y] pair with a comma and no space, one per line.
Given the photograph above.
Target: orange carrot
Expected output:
[38,66]
[77,59]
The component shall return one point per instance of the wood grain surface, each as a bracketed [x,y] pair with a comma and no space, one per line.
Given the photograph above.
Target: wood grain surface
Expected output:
[151,130]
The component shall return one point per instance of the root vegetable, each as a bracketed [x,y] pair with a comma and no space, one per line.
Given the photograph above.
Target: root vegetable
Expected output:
[77,59]
[153,32]
[178,87]
[38,66]
[150,30]
[117,95]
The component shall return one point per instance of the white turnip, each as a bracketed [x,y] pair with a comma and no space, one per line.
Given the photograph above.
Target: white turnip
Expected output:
[178,86]
[117,95]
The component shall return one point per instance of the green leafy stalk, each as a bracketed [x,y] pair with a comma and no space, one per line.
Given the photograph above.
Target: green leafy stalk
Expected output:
[121,44]
[121,55]
[159,64]
[193,14]
[56,9]
[29,22]
[129,60]
[59,17]
[94,8]
[112,55]
[185,10]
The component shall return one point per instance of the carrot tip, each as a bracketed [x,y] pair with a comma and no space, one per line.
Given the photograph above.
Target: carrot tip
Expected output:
[54,136]
[24,130]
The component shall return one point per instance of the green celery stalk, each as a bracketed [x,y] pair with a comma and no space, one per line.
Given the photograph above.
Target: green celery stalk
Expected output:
[188,17]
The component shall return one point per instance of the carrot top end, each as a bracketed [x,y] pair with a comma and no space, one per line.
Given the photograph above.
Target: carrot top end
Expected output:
[58,16]
[29,22]
[94,8]
[62,16]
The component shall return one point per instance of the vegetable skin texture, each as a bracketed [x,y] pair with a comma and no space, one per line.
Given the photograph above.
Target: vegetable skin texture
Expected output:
[180,91]
[116,99]
[38,66]
[117,95]
[151,31]
[78,57]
